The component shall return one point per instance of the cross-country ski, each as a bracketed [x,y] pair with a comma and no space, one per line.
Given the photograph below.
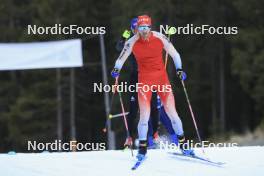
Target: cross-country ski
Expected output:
[198,158]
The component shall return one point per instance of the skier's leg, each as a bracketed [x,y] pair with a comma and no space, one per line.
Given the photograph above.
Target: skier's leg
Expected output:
[150,132]
[133,109]
[150,125]
[167,99]
[154,113]
[153,122]
[144,108]
[165,120]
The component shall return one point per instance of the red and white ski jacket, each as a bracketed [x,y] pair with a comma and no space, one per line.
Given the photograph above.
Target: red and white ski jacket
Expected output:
[148,53]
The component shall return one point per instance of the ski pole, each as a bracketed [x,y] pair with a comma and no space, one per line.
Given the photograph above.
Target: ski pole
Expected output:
[170,32]
[111,104]
[192,114]
[124,118]
[118,115]
[166,56]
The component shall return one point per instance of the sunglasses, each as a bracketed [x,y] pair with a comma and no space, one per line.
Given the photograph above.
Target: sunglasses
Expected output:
[142,28]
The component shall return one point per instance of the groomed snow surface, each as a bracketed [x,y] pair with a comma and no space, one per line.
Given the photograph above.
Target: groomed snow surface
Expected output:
[240,161]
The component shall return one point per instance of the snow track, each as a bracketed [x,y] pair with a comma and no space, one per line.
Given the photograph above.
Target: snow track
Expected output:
[240,161]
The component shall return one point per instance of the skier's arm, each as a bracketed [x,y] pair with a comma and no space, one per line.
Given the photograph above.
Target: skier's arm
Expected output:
[175,55]
[172,52]
[176,59]
[123,56]
[125,53]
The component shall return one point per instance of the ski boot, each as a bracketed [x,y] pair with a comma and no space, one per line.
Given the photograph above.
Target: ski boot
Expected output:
[142,150]
[153,141]
[174,139]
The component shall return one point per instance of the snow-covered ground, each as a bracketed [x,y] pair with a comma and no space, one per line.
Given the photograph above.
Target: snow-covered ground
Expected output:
[240,161]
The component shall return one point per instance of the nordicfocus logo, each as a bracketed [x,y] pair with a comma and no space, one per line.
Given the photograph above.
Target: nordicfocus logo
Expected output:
[199,30]
[190,144]
[125,87]
[58,145]
[66,30]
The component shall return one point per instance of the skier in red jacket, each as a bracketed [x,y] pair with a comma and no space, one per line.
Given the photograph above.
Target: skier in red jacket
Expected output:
[147,47]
